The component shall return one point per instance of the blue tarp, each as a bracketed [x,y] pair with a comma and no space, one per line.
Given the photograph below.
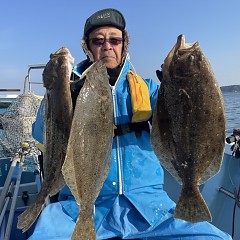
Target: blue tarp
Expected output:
[57,221]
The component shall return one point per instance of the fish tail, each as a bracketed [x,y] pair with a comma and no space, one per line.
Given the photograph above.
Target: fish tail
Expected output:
[29,216]
[191,207]
[84,229]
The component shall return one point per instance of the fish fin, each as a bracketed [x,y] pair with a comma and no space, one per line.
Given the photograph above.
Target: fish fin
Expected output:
[192,207]
[84,229]
[57,185]
[213,169]
[68,169]
[105,168]
[29,216]
[161,137]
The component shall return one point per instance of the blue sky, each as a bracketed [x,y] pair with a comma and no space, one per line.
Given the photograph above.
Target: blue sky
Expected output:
[31,30]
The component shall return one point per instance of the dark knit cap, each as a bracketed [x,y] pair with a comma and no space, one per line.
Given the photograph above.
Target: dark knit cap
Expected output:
[105,17]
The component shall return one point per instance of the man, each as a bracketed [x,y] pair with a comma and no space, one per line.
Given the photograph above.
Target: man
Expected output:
[132,203]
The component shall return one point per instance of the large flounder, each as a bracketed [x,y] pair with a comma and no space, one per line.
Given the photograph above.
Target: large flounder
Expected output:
[188,131]
[57,122]
[89,147]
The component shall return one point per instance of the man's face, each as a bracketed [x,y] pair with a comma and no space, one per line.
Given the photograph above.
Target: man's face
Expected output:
[109,51]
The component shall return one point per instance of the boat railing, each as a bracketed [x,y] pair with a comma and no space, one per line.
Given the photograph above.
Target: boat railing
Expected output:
[6,194]
[13,205]
[7,182]
[28,81]
[7,199]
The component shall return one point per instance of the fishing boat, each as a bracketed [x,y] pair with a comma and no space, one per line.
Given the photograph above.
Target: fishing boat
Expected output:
[20,178]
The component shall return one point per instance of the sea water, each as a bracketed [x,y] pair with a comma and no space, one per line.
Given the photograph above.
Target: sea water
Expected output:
[232,109]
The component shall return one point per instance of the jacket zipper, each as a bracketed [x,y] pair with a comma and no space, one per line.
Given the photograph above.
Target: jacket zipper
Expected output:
[118,144]
[117,137]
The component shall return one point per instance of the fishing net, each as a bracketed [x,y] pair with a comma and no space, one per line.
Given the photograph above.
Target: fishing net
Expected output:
[17,123]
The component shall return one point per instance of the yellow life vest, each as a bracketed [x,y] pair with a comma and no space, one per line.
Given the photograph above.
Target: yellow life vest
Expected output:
[140,99]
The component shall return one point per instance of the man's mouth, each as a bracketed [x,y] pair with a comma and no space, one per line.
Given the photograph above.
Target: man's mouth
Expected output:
[107,57]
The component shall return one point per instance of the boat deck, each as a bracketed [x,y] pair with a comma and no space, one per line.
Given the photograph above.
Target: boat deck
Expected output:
[225,213]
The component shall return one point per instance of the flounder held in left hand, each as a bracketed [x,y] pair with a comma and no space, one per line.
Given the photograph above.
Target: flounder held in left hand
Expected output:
[188,130]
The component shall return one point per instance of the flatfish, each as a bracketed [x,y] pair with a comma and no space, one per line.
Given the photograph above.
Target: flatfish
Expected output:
[89,147]
[188,130]
[57,123]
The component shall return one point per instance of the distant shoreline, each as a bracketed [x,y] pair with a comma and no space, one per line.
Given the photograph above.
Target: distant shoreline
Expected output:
[231,88]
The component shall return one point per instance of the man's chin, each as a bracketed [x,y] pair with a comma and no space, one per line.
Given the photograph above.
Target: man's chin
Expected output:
[110,63]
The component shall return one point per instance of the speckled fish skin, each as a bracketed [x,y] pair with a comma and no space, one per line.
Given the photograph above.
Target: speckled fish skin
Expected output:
[57,122]
[188,131]
[89,148]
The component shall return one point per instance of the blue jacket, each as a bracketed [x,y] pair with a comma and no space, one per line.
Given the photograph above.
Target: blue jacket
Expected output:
[135,170]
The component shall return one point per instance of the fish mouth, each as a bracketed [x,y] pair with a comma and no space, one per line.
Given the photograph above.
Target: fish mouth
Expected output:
[184,48]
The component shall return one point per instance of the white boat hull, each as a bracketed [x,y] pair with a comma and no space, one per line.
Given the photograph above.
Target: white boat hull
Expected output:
[220,205]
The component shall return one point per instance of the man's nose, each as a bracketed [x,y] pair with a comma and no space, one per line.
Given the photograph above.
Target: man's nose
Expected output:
[107,45]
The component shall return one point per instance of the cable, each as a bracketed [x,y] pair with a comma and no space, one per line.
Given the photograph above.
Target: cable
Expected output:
[234,211]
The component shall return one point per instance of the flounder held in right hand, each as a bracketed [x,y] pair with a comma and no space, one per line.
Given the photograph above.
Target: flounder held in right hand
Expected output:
[57,123]
[188,130]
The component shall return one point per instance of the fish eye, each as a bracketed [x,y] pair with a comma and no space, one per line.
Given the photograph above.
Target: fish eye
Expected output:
[191,58]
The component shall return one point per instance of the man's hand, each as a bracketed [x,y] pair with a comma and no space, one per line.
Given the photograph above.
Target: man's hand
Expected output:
[159,74]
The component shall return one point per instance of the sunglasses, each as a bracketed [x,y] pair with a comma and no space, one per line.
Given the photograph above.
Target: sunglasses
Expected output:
[100,41]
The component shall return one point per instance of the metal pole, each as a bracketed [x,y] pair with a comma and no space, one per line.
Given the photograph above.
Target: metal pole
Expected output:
[226,192]
[7,182]
[27,78]
[6,203]
[13,205]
